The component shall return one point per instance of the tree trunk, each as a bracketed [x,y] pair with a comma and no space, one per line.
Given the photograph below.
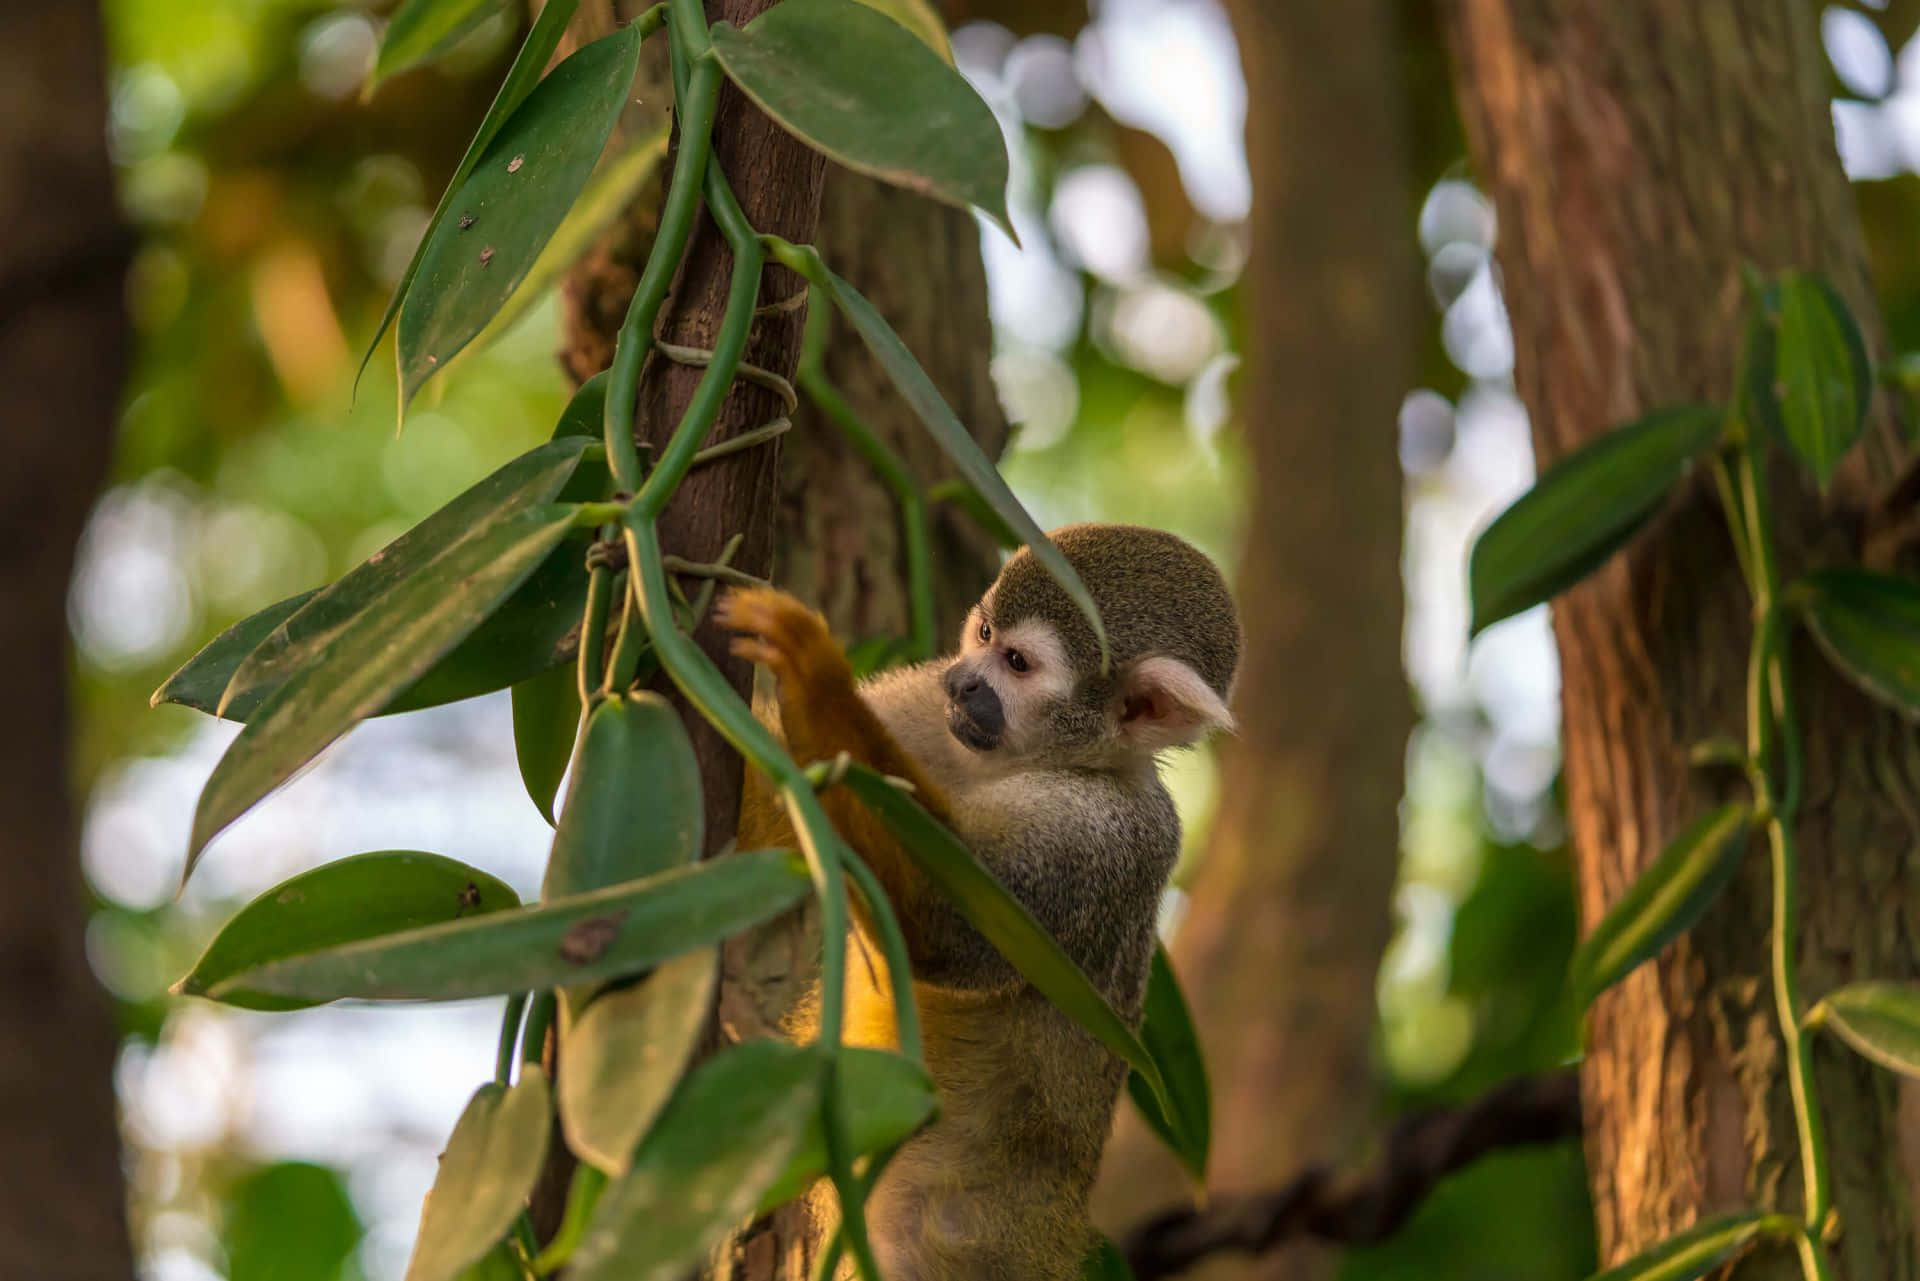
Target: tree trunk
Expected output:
[1639,154]
[63,338]
[1282,939]
[825,525]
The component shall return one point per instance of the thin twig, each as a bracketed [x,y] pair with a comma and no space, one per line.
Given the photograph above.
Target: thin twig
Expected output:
[1317,1203]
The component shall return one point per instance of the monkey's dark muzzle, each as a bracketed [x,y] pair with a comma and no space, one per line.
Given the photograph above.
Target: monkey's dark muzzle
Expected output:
[974,714]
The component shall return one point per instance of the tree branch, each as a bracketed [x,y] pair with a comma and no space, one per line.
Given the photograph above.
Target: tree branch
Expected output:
[1422,1150]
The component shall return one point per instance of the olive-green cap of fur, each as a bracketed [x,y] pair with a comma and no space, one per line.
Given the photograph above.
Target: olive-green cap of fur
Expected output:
[1157,593]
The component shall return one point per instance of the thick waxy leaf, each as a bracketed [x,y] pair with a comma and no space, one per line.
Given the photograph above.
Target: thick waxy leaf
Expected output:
[490,1165]
[1881,1021]
[511,202]
[546,721]
[856,86]
[625,1053]
[202,679]
[1583,510]
[885,1098]
[528,65]
[1004,921]
[387,647]
[635,807]
[1167,1031]
[1667,899]
[1869,626]
[616,184]
[359,897]
[952,437]
[1106,1263]
[1693,1253]
[420,29]
[729,1131]
[920,18]
[1809,379]
[620,930]
[533,478]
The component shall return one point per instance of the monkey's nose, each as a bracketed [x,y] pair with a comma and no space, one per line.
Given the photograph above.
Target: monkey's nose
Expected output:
[962,684]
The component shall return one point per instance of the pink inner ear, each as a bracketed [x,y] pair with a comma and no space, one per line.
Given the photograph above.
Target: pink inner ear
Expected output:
[1141,705]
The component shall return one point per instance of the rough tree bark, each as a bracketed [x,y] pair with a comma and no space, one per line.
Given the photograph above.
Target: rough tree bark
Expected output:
[1281,942]
[826,528]
[1639,153]
[63,339]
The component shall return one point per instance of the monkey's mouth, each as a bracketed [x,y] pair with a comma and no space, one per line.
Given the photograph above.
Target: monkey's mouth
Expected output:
[970,732]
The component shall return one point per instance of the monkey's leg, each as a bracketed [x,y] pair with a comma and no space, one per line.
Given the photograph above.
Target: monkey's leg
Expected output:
[823,715]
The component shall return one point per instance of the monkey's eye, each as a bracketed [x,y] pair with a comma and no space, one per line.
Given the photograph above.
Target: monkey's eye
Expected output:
[986,632]
[1016,660]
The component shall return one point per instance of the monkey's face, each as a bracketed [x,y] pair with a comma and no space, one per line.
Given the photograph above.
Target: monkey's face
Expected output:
[1008,685]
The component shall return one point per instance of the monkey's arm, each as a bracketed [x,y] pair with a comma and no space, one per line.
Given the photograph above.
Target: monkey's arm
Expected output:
[822,715]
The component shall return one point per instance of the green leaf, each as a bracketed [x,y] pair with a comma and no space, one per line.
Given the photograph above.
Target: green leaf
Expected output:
[962,495]
[1168,1033]
[386,648]
[533,478]
[585,414]
[620,930]
[1004,921]
[857,87]
[885,1099]
[1583,510]
[1105,1262]
[625,1053]
[203,678]
[617,182]
[489,1168]
[731,1128]
[1881,1021]
[499,1263]
[420,29]
[1692,1253]
[546,721]
[1664,902]
[542,39]
[1868,625]
[359,897]
[289,1221]
[635,806]
[511,202]
[921,19]
[949,433]
[1809,379]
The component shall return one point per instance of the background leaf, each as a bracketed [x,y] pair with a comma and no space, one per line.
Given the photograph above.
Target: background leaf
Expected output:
[953,438]
[921,19]
[510,202]
[386,647]
[885,1099]
[729,1131]
[361,896]
[419,29]
[289,1221]
[1809,379]
[546,723]
[1881,1021]
[623,929]
[1868,624]
[1664,901]
[855,85]
[1003,920]
[490,1166]
[635,806]
[625,1053]
[1106,1263]
[1583,510]
[1167,1030]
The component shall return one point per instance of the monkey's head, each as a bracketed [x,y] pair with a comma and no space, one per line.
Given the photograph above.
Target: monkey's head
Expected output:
[1027,683]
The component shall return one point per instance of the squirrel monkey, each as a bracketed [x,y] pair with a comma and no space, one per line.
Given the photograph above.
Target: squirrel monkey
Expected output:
[1045,767]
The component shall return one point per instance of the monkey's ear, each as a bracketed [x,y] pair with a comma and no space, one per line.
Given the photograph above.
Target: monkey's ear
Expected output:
[1165,703]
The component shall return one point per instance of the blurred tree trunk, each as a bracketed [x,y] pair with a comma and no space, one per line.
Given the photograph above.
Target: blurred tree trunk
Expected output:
[1282,939]
[63,254]
[1639,153]
[815,515]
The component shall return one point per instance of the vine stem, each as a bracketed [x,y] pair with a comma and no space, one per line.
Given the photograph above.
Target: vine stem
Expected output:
[509,1036]
[1771,722]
